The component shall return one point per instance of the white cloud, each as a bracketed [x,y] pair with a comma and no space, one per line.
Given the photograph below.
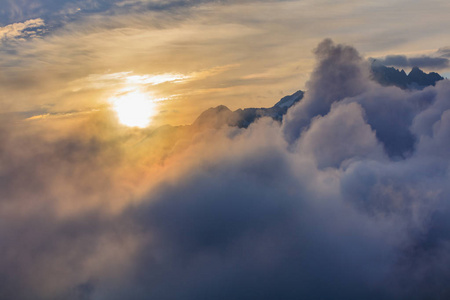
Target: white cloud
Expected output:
[22,30]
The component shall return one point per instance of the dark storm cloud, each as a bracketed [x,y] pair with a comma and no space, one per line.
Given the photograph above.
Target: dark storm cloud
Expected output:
[403,61]
[346,199]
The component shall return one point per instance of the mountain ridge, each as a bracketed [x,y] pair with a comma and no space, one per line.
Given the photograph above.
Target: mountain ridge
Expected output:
[415,80]
[218,116]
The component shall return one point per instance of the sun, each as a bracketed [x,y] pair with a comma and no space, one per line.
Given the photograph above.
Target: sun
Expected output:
[134,109]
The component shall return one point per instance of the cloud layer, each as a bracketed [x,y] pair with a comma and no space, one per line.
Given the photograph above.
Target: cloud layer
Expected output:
[346,199]
[429,62]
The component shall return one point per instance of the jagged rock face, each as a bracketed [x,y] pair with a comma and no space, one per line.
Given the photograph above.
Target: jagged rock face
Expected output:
[423,79]
[290,100]
[387,76]
[416,79]
[215,117]
[221,115]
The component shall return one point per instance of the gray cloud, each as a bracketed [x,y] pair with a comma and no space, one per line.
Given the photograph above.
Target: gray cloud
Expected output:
[346,199]
[403,61]
[338,74]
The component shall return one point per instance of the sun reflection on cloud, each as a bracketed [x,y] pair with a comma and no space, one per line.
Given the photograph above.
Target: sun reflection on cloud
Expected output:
[155,79]
[99,81]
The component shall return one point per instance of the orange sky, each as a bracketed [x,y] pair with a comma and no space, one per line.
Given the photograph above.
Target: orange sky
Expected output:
[69,57]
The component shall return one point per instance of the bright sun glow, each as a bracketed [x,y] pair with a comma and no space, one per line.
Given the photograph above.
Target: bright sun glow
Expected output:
[134,109]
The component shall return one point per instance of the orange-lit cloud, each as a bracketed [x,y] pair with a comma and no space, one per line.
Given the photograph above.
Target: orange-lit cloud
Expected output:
[266,44]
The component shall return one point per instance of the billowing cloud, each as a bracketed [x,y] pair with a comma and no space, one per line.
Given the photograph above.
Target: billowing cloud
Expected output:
[346,199]
[339,74]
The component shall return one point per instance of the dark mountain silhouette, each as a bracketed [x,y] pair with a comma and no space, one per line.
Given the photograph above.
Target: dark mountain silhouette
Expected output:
[221,115]
[242,118]
[416,79]
[417,76]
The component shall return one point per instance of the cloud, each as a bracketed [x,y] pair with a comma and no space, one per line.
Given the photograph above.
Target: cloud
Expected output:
[347,198]
[445,52]
[336,213]
[344,127]
[60,12]
[53,11]
[420,61]
[339,74]
[262,227]
[27,29]
[126,80]
[271,41]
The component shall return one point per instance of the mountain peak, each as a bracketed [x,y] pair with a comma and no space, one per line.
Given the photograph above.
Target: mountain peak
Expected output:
[422,79]
[290,100]
[416,79]
[214,117]
[416,70]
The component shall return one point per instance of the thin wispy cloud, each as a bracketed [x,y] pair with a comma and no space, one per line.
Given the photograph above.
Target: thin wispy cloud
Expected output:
[270,41]
[126,79]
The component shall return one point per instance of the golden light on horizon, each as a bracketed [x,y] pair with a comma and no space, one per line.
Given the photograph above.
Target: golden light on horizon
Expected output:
[134,109]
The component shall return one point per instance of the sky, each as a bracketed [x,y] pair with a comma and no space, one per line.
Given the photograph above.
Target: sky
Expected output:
[74,55]
[108,192]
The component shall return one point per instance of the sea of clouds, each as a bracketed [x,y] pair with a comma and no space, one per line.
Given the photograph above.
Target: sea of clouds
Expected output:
[347,198]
